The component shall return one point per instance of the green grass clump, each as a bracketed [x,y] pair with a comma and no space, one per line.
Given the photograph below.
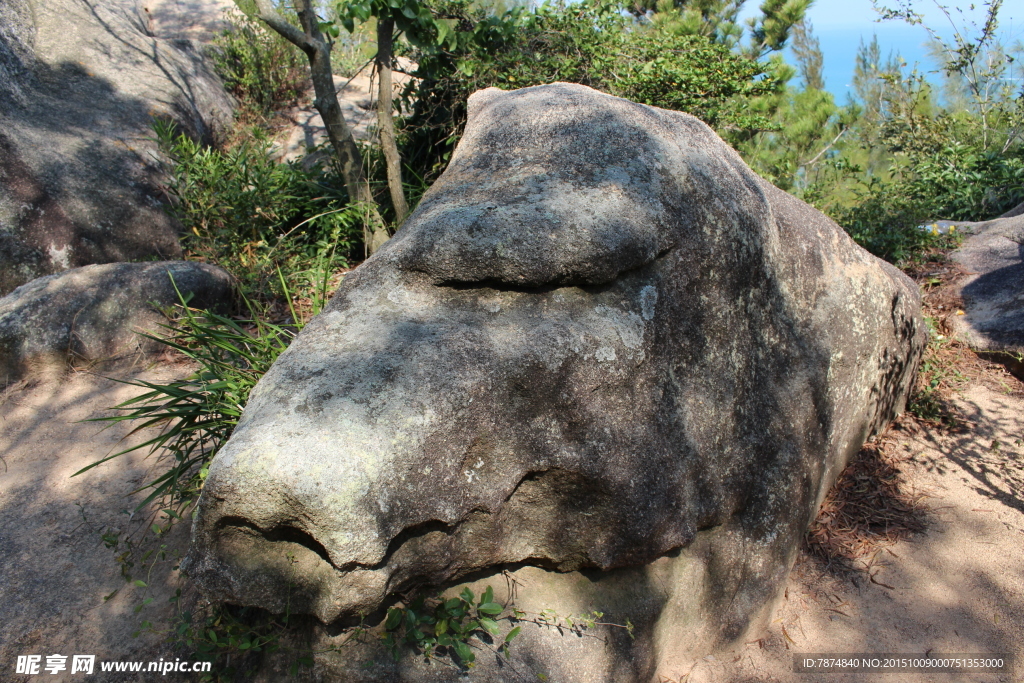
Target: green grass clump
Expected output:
[252,215]
[196,415]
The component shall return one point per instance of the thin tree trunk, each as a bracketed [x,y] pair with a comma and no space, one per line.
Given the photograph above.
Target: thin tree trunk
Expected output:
[385,123]
[318,51]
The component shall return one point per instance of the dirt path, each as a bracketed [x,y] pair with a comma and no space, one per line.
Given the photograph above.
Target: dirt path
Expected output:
[61,590]
[303,131]
[957,588]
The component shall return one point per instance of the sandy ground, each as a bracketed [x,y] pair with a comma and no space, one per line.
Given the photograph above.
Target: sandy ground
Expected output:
[61,590]
[957,588]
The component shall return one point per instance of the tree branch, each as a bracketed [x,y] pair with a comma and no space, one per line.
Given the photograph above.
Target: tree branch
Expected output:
[385,122]
[318,51]
[827,148]
[274,20]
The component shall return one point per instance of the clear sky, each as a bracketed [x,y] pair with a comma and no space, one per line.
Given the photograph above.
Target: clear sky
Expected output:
[841,24]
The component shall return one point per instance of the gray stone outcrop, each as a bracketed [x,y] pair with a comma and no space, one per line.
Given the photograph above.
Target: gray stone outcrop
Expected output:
[602,352]
[93,313]
[80,83]
[993,290]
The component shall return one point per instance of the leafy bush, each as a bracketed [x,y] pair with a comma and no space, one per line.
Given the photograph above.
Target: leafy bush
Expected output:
[446,624]
[234,639]
[590,43]
[957,181]
[690,73]
[259,67]
[250,214]
[963,183]
[884,219]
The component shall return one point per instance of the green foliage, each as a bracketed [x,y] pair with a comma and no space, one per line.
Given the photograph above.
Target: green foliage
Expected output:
[961,182]
[810,60]
[234,639]
[197,414]
[718,21]
[591,43]
[808,132]
[251,214]
[807,128]
[446,626]
[918,162]
[937,375]
[454,627]
[691,74]
[900,156]
[412,18]
[772,29]
[261,69]
[353,51]
[885,220]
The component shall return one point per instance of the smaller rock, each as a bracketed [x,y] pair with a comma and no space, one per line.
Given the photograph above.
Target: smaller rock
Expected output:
[993,293]
[94,312]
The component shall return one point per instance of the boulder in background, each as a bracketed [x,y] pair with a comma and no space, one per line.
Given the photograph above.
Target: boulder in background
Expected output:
[993,291]
[94,312]
[80,83]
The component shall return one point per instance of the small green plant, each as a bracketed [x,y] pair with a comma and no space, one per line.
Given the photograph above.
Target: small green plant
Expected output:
[447,624]
[439,626]
[937,375]
[197,414]
[234,638]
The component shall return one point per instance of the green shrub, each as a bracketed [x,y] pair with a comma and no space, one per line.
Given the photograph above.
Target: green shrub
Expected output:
[690,73]
[251,214]
[259,67]
[589,42]
[885,220]
[963,183]
[957,182]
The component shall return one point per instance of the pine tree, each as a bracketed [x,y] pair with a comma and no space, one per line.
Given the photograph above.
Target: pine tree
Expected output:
[718,20]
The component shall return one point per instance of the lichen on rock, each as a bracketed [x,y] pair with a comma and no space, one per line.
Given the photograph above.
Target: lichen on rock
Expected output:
[601,346]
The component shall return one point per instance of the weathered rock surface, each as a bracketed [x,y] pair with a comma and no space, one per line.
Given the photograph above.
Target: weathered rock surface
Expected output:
[93,312]
[80,83]
[603,350]
[993,293]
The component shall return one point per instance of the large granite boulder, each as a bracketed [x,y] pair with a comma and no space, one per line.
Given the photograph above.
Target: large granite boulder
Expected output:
[94,313]
[80,83]
[601,350]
